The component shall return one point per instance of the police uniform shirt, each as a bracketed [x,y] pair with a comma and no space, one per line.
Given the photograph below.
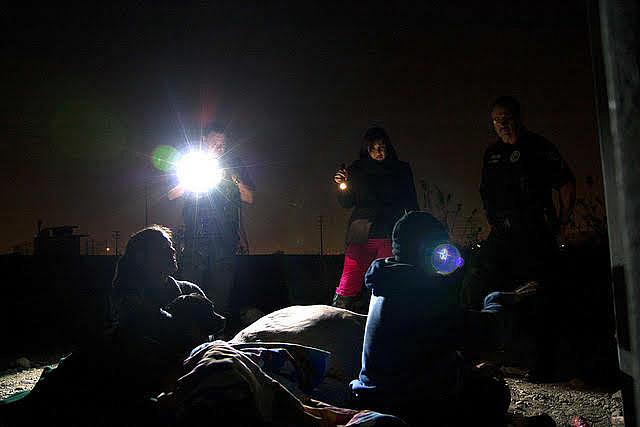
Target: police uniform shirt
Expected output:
[517,179]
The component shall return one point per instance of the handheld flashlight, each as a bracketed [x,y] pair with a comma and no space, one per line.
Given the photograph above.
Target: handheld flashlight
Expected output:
[343,185]
[446,258]
[199,171]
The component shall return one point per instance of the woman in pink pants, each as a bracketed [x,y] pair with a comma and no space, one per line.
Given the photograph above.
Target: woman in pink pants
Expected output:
[380,189]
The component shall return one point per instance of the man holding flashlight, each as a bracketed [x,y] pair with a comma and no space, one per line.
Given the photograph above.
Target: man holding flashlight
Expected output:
[213,232]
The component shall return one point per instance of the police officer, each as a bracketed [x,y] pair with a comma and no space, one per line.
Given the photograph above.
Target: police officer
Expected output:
[520,171]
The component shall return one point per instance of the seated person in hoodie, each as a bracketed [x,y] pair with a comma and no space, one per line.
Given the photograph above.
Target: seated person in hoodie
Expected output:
[153,323]
[411,365]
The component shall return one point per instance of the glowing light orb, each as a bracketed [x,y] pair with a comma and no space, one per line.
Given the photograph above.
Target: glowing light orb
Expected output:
[446,259]
[343,186]
[198,171]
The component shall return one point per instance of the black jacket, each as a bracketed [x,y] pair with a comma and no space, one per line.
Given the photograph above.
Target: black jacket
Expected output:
[518,179]
[380,192]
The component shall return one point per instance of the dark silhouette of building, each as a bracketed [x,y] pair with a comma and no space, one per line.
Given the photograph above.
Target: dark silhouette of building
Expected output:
[58,241]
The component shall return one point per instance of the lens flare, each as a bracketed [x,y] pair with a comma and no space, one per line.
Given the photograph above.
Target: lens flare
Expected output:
[446,259]
[198,171]
[163,157]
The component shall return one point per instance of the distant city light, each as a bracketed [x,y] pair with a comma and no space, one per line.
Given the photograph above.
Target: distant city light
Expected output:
[198,171]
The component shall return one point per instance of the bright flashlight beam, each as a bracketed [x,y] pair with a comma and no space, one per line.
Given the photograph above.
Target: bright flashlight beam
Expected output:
[198,171]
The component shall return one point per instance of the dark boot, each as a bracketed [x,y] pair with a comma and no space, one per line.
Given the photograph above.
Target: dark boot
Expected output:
[361,301]
[341,301]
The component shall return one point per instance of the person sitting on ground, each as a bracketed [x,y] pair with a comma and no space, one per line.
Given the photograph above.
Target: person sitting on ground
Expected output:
[153,323]
[149,307]
[411,365]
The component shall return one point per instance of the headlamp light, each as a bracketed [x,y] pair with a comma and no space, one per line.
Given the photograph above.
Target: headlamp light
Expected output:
[446,258]
[198,171]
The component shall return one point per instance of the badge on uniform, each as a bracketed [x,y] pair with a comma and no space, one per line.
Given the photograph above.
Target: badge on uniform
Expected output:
[515,156]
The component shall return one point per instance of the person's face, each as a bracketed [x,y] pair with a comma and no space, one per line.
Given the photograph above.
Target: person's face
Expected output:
[160,261]
[378,151]
[215,141]
[505,124]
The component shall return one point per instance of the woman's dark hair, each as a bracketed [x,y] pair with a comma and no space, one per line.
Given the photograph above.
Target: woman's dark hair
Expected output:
[127,272]
[508,102]
[374,134]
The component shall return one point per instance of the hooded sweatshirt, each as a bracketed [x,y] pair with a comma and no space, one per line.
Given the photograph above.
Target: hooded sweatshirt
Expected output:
[414,330]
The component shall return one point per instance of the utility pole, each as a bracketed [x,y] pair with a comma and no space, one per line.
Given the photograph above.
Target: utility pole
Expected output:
[146,203]
[116,237]
[321,229]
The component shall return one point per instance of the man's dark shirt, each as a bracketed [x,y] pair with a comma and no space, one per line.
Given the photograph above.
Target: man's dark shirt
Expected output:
[215,216]
[518,179]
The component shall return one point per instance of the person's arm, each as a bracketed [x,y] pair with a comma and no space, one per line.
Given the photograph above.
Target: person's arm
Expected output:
[246,191]
[411,203]
[346,197]
[563,180]
[488,329]
[567,201]
[175,192]
[485,192]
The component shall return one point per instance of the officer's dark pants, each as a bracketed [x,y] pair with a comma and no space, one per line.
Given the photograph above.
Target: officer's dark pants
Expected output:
[210,264]
[503,263]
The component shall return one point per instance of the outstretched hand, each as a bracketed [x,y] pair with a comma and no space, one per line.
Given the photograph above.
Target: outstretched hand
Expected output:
[520,294]
[341,176]
[528,289]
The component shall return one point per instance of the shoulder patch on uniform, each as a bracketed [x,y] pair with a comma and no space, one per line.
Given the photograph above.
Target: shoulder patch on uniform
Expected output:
[515,156]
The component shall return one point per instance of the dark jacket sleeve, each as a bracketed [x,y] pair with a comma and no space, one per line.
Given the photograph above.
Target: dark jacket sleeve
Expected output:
[485,190]
[557,168]
[411,203]
[486,329]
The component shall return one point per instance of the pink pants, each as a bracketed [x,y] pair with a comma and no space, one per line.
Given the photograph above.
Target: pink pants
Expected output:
[357,259]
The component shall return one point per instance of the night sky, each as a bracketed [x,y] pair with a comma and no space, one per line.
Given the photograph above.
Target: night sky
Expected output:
[89,92]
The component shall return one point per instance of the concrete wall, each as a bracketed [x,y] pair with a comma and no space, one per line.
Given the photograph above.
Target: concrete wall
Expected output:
[52,303]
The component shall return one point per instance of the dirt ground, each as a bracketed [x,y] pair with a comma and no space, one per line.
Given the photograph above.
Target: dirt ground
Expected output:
[561,401]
